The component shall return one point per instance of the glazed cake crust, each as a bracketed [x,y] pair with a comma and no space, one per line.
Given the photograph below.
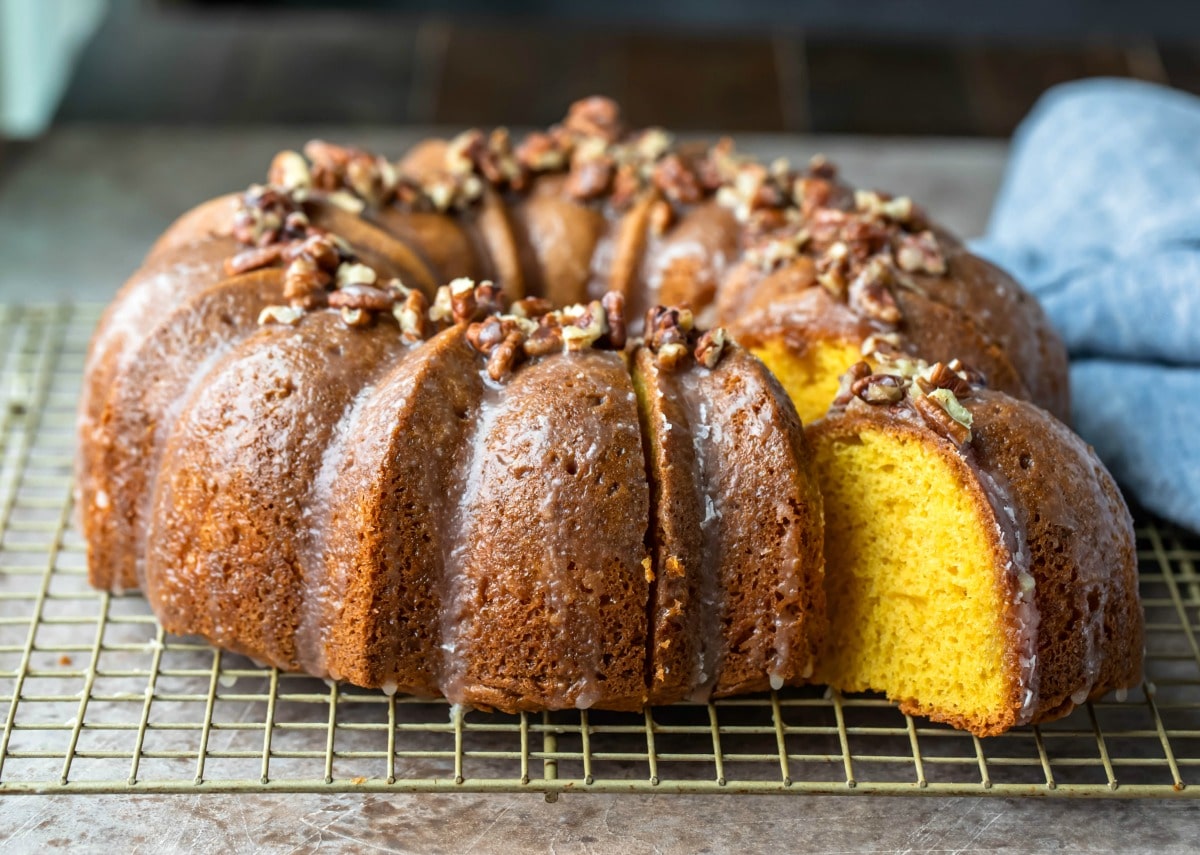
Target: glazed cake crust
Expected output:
[305,447]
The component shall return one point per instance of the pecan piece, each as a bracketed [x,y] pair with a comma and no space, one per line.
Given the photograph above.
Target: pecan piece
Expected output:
[614,313]
[879,388]
[920,253]
[356,317]
[587,328]
[361,296]
[971,375]
[411,315]
[941,376]
[286,315]
[595,117]
[531,307]
[487,334]
[463,305]
[846,382]
[672,355]
[540,152]
[677,180]
[505,356]
[711,347]
[547,338]
[304,282]
[870,293]
[945,415]
[665,326]
[253,259]
[319,249]
[290,171]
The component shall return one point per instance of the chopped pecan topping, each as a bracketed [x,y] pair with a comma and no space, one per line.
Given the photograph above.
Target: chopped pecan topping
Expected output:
[971,375]
[547,338]
[304,283]
[280,315]
[666,326]
[531,307]
[677,180]
[356,317]
[505,356]
[463,152]
[898,209]
[932,390]
[710,347]
[361,296]
[370,177]
[879,388]
[672,355]
[614,314]
[776,249]
[588,326]
[484,298]
[290,171]
[253,259]
[885,343]
[870,292]
[945,415]
[820,166]
[919,253]
[811,194]
[651,144]
[264,216]
[595,117]
[854,373]
[411,315]
[671,334]
[322,249]
[487,334]
[941,376]
[354,273]
[540,152]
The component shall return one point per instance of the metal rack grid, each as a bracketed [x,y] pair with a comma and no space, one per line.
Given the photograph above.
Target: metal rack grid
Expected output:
[96,699]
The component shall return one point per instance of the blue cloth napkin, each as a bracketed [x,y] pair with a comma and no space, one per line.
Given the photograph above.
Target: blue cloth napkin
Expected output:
[1099,216]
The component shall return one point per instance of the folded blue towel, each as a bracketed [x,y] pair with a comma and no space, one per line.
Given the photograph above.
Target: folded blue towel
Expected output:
[1099,216]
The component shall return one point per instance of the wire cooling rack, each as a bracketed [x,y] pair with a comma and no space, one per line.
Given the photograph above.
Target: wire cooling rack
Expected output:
[96,699]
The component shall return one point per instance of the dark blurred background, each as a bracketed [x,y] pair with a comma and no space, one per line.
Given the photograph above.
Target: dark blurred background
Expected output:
[944,67]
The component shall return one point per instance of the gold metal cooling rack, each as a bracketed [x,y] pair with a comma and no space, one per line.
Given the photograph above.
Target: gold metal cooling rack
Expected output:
[96,699]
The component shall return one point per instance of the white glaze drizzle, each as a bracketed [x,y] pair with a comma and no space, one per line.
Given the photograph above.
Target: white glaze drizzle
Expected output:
[710,652]
[1020,585]
[465,484]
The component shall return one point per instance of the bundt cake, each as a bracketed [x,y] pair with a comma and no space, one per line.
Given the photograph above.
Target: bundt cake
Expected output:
[302,444]
[981,567]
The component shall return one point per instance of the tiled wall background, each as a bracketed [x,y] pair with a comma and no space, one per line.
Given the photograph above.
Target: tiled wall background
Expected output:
[184,63]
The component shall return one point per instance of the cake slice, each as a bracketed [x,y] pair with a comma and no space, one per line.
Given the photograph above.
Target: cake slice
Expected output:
[980,562]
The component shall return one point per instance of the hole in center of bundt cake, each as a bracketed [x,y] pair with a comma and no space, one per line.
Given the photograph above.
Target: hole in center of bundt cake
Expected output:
[810,375]
[915,607]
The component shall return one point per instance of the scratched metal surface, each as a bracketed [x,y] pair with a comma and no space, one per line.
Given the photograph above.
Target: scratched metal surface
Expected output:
[76,214]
